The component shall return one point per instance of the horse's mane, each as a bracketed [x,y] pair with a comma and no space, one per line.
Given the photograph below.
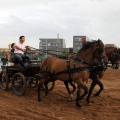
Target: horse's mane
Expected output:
[87,45]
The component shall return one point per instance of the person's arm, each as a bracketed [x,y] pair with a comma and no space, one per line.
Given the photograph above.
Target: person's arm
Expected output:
[15,46]
[27,47]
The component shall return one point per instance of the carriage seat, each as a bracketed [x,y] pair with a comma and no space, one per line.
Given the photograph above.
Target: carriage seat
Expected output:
[17,64]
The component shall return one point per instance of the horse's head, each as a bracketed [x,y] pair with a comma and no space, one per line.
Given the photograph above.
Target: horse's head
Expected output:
[99,55]
[93,52]
[114,56]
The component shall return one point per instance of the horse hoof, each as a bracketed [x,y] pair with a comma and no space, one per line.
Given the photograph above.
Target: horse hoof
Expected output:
[39,100]
[89,103]
[46,94]
[95,95]
[78,105]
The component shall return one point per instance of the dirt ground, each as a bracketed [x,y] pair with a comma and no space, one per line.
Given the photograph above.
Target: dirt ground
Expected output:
[56,105]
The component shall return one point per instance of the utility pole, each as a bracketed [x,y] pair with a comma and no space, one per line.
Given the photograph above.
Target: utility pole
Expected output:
[46,47]
[57,42]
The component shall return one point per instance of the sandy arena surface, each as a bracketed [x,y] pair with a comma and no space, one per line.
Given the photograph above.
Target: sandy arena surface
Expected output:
[56,105]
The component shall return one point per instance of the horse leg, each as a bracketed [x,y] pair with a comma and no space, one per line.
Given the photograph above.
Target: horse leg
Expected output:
[80,97]
[81,85]
[101,87]
[40,85]
[66,85]
[77,97]
[85,91]
[90,91]
[68,89]
[38,88]
[46,81]
[74,87]
[46,88]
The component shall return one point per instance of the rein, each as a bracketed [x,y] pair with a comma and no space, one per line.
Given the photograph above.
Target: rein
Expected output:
[47,51]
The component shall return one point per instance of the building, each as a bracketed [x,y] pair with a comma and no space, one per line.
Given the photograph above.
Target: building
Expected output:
[78,41]
[54,44]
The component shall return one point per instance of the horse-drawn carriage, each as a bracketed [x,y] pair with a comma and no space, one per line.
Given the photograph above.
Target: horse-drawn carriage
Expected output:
[21,77]
[89,62]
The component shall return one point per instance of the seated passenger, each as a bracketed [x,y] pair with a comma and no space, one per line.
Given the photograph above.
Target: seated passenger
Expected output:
[12,47]
[12,52]
[19,49]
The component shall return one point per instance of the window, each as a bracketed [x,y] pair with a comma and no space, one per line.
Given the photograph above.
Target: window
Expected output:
[76,39]
[41,47]
[53,44]
[53,40]
[43,44]
[43,40]
[48,44]
[80,39]
[76,43]
[58,41]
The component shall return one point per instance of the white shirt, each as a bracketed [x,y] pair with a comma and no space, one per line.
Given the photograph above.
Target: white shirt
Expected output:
[20,46]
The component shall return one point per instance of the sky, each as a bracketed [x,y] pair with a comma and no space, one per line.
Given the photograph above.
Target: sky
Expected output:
[96,19]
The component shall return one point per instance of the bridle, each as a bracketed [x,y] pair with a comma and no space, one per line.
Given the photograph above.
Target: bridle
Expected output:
[96,55]
[98,58]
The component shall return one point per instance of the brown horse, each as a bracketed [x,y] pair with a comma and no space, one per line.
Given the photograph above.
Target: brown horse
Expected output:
[113,55]
[91,54]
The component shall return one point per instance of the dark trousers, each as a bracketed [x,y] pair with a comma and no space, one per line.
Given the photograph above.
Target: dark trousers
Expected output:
[20,57]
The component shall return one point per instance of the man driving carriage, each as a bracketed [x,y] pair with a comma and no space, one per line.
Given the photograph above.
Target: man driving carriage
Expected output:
[19,51]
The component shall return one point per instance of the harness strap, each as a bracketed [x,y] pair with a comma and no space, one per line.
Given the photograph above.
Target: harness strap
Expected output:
[73,70]
[68,67]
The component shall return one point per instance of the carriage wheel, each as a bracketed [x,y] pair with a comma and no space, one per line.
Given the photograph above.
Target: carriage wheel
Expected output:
[51,85]
[4,81]
[19,84]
